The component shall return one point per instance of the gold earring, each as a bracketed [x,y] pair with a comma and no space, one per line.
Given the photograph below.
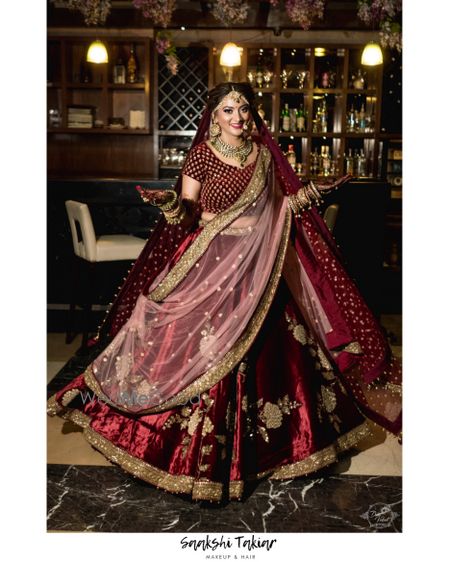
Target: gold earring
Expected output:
[214,130]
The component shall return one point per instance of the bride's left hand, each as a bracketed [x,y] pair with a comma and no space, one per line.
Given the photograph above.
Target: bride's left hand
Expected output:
[325,187]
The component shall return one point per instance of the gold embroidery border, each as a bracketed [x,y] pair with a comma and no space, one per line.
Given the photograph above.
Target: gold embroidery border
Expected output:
[203,489]
[232,357]
[213,228]
[321,458]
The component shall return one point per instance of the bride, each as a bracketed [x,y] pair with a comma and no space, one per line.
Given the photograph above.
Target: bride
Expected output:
[238,347]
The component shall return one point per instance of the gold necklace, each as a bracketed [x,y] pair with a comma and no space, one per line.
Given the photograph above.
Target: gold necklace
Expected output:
[239,153]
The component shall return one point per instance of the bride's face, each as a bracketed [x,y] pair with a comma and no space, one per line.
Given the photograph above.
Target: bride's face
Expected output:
[232,116]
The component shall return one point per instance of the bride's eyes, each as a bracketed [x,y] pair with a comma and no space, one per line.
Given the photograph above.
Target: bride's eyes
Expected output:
[229,110]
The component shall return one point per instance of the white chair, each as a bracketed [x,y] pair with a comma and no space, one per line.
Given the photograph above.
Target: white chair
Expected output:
[90,249]
[330,216]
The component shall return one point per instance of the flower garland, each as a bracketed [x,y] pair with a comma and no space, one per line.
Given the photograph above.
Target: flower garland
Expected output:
[304,12]
[230,12]
[159,11]
[385,15]
[94,12]
[165,47]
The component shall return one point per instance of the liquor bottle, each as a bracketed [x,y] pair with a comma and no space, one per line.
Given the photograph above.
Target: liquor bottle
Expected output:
[362,119]
[315,163]
[291,157]
[285,118]
[362,164]
[119,72]
[326,160]
[351,120]
[292,119]
[358,165]
[349,162]
[323,117]
[132,67]
[300,119]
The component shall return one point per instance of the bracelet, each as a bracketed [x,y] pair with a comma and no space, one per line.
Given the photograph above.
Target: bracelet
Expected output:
[300,201]
[175,215]
[171,204]
[314,191]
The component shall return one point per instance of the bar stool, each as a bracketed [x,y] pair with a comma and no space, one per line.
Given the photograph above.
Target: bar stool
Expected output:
[330,216]
[90,249]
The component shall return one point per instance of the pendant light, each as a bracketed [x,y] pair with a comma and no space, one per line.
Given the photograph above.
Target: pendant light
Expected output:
[97,52]
[372,54]
[230,57]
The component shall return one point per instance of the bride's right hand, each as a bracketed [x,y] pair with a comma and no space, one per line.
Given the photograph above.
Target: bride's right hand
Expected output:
[156,197]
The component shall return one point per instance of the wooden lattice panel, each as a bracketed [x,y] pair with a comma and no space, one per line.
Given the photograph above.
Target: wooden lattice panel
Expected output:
[181,98]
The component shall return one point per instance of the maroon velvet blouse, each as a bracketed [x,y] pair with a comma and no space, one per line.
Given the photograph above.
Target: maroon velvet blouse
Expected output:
[222,184]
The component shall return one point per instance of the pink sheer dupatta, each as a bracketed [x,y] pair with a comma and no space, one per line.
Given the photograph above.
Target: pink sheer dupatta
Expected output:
[201,315]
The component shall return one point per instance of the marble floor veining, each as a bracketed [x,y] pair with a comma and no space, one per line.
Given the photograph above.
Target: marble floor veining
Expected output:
[361,493]
[101,499]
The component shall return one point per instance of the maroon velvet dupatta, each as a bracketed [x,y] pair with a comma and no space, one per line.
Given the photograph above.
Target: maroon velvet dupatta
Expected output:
[328,298]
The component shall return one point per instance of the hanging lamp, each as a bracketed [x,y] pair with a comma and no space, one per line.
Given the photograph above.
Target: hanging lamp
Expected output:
[230,57]
[97,52]
[372,54]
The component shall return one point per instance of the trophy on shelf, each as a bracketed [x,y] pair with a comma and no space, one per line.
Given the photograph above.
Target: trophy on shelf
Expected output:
[259,78]
[301,76]
[267,77]
[285,75]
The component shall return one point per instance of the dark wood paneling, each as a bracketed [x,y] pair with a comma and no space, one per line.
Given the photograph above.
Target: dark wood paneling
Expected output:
[99,155]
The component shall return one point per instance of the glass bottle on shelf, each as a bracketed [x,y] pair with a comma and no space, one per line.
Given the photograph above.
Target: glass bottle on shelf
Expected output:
[357,165]
[132,67]
[119,72]
[300,119]
[291,156]
[351,120]
[362,164]
[326,160]
[323,117]
[285,118]
[292,119]
[349,162]
[362,119]
[315,163]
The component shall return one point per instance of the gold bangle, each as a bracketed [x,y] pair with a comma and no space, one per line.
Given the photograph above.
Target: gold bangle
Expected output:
[174,211]
[172,218]
[314,191]
[171,204]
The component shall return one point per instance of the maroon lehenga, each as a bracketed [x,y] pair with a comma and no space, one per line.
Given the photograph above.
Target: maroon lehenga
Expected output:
[280,391]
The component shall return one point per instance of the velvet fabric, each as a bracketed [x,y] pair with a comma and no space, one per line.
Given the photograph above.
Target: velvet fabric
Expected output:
[281,413]
[318,366]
